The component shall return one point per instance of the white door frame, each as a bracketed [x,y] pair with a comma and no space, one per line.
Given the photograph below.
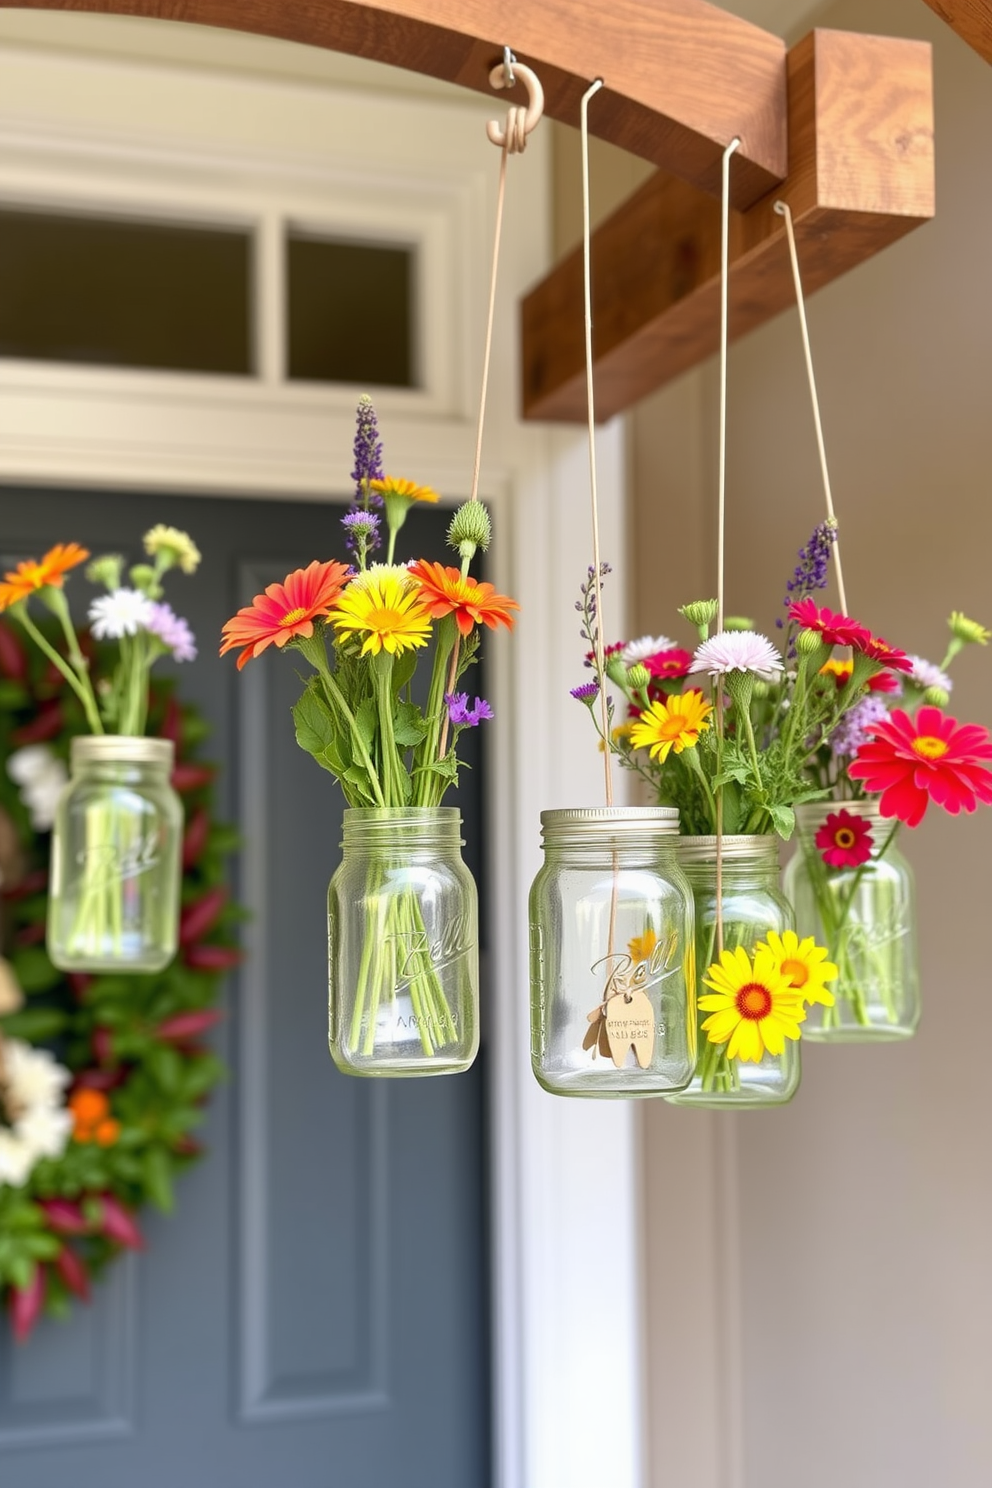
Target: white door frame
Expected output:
[99,132]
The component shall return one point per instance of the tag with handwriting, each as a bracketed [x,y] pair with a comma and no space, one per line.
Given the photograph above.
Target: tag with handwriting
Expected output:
[630,1023]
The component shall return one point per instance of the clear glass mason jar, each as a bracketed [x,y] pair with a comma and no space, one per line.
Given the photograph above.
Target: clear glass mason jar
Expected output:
[403,945]
[611,955]
[116,851]
[752,903]
[866,917]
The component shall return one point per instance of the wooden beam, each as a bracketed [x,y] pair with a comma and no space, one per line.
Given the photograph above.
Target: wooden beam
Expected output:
[682,77]
[860,176]
[971,19]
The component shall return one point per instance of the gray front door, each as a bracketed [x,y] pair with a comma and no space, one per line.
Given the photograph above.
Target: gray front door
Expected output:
[314,1314]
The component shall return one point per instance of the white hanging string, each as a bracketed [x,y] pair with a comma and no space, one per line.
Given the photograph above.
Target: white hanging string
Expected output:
[722,504]
[782,208]
[591,415]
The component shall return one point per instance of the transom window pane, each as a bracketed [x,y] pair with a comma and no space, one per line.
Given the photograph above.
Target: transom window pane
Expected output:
[350,312]
[119,293]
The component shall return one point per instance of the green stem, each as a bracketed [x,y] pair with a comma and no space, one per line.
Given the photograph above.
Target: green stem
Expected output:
[84,693]
[313,650]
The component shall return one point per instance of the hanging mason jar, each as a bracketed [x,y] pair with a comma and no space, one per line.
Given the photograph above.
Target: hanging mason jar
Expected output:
[752,904]
[852,888]
[403,945]
[116,846]
[611,948]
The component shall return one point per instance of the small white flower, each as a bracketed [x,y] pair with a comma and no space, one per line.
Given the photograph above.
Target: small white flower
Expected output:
[120,613]
[17,1158]
[738,651]
[925,674]
[42,777]
[37,1122]
[26,765]
[645,646]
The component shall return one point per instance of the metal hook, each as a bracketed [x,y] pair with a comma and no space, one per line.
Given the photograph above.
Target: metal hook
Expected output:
[519,121]
[509,62]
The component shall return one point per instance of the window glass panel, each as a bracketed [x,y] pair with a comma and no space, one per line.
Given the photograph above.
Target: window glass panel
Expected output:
[350,312]
[125,294]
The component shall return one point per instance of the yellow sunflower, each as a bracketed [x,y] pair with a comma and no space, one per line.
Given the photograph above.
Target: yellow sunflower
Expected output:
[804,964]
[392,488]
[386,612]
[642,947]
[674,723]
[752,1008]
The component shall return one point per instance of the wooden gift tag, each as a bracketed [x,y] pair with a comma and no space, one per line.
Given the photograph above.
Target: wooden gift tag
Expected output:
[630,1021]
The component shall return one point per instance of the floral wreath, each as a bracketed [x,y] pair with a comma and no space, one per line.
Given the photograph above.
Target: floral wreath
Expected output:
[102,1078]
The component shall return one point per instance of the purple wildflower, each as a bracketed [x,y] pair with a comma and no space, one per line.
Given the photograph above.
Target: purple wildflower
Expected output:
[461,714]
[361,532]
[855,728]
[368,453]
[814,562]
[172,631]
[585,692]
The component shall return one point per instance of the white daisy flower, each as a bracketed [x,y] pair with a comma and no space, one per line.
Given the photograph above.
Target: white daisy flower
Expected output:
[120,613]
[36,1122]
[42,777]
[635,651]
[925,674]
[738,651]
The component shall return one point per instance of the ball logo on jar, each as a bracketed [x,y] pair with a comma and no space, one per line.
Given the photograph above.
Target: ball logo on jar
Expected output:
[112,862]
[416,951]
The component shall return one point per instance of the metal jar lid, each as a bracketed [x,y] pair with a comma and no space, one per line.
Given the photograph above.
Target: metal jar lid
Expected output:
[581,823]
[734,849]
[121,749]
[814,813]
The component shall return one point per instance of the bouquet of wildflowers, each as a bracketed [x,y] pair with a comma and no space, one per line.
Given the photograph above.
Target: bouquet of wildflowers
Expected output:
[362,628]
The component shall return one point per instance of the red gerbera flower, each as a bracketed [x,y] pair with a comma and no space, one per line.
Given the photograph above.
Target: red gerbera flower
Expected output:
[879,650]
[932,757]
[445,591]
[285,610]
[836,630]
[845,841]
[883,682]
[669,665]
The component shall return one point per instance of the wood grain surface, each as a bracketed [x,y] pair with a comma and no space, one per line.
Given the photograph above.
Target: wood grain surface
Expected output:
[681,77]
[971,19]
[861,175]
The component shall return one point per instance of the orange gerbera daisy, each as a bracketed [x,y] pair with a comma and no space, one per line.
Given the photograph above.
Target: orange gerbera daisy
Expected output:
[446,591]
[28,577]
[285,610]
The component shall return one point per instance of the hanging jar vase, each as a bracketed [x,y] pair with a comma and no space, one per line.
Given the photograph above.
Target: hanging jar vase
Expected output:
[851,887]
[751,904]
[403,945]
[115,870]
[611,947]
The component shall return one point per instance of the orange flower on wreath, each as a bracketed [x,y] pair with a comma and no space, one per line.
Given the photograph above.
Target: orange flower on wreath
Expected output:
[446,591]
[28,577]
[285,610]
[93,1122]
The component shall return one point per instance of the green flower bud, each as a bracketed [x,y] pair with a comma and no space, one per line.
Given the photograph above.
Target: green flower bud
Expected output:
[761,689]
[106,570]
[616,671]
[143,577]
[809,642]
[638,676]
[738,622]
[701,612]
[469,529]
[937,697]
[969,631]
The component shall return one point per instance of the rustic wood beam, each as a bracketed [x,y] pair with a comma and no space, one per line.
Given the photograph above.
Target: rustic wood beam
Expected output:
[971,19]
[681,77]
[860,176]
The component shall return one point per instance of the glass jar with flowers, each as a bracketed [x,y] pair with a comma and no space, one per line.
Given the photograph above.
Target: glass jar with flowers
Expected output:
[402,907]
[117,836]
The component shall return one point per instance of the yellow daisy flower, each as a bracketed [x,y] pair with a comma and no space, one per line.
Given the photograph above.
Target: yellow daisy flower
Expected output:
[752,1008]
[386,612]
[804,964]
[675,723]
[641,948]
[392,488]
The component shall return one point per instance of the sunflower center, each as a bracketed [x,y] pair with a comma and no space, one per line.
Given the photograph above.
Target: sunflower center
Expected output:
[384,618]
[844,837]
[754,1001]
[674,726]
[796,971]
[929,747]
[292,616]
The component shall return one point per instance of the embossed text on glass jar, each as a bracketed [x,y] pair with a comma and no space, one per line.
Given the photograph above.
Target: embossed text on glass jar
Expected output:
[115,873]
[752,903]
[611,955]
[865,916]
[403,945]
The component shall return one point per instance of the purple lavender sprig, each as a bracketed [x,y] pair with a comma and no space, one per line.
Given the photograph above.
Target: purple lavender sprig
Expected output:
[361,534]
[586,606]
[461,715]
[368,454]
[810,572]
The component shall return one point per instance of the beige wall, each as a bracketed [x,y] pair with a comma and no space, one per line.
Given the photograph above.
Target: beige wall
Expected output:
[850,1291]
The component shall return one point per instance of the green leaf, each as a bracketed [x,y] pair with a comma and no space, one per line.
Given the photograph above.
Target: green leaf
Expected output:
[783,820]
[33,969]
[315,725]
[403,669]
[410,726]
[36,1025]
[366,721]
[166,1067]
[158,1178]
